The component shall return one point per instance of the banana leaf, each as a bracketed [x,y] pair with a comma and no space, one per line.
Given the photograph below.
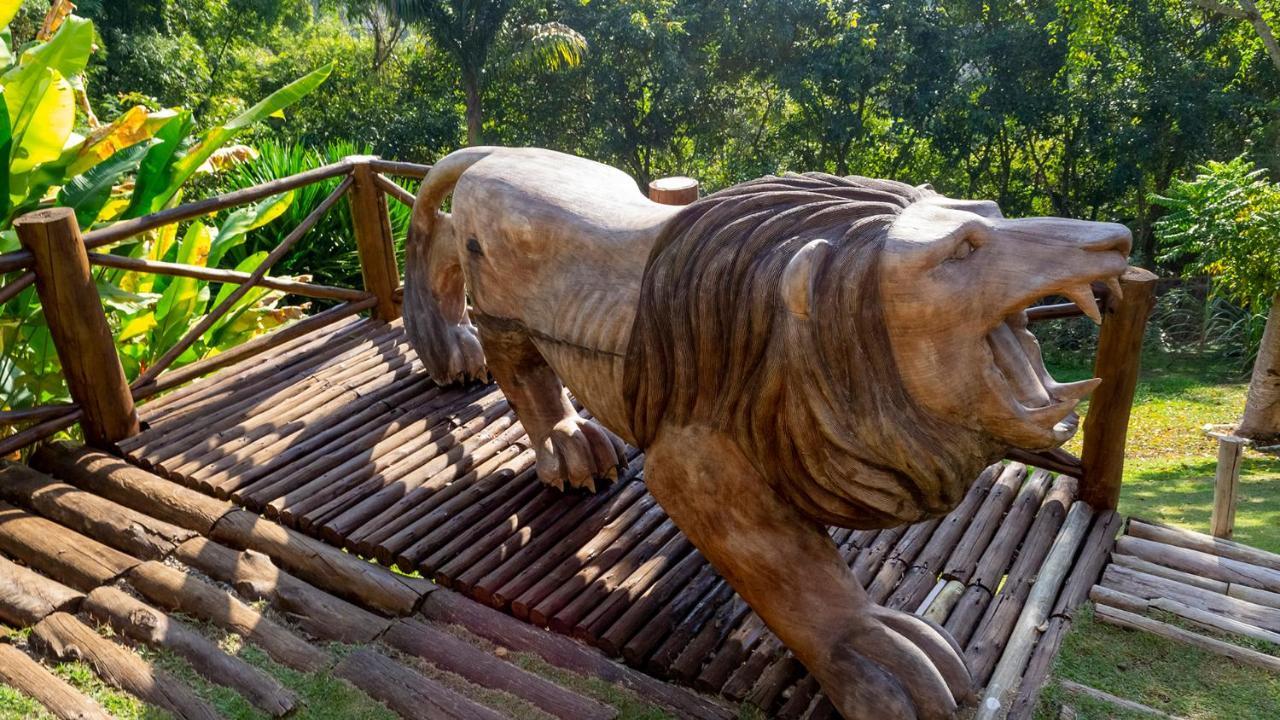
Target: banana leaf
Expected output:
[88,192]
[153,193]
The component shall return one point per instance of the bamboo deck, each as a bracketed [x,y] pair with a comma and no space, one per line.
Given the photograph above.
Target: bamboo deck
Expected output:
[342,437]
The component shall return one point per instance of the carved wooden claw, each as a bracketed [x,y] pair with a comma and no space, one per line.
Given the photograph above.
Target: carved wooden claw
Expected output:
[578,451]
[898,665]
[466,356]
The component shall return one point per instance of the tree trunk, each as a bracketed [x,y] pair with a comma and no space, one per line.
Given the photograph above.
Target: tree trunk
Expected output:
[1261,419]
[475,114]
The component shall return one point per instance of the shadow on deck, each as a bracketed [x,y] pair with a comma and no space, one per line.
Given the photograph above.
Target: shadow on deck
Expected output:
[342,436]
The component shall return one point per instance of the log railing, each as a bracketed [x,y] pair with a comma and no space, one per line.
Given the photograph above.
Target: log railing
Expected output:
[58,261]
[104,404]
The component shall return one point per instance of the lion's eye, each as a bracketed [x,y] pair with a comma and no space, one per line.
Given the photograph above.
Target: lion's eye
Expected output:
[962,251]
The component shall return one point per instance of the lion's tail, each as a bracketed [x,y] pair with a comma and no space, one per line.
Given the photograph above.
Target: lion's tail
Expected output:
[435,307]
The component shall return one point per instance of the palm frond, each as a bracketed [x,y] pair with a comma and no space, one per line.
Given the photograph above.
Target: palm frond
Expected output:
[551,46]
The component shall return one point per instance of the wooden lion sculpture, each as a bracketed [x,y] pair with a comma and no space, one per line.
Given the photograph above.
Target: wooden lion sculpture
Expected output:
[790,352]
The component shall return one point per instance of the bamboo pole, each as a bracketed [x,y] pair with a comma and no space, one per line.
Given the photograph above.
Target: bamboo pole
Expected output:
[372,226]
[73,311]
[1008,672]
[1118,360]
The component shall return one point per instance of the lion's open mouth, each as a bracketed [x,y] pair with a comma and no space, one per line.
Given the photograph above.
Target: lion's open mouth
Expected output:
[1036,398]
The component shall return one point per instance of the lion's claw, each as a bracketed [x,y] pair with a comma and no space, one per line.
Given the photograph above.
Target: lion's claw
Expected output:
[576,452]
[907,667]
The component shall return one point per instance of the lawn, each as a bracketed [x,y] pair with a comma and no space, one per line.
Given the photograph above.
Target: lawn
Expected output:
[1169,477]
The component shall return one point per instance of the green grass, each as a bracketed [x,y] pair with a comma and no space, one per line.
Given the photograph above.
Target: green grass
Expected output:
[1168,477]
[1173,677]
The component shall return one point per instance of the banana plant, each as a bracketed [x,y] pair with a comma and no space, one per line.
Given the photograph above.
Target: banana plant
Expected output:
[52,153]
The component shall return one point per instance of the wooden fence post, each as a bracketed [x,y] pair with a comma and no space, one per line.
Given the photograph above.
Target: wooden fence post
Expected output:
[1119,357]
[78,325]
[1226,484]
[673,190]
[372,226]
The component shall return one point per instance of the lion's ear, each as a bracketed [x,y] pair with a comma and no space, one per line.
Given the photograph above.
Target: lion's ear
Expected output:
[797,279]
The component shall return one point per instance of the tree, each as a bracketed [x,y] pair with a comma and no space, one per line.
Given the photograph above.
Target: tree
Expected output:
[1248,11]
[469,30]
[1225,222]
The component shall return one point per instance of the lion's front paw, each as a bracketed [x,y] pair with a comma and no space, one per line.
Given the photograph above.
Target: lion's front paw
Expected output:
[466,356]
[896,665]
[577,452]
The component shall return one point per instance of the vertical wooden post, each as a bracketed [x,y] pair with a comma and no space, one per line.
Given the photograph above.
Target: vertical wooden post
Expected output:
[78,325]
[372,226]
[1119,357]
[1226,484]
[673,190]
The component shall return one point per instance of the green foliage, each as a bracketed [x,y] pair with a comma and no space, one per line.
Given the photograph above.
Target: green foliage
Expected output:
[137,164]
[1225,223]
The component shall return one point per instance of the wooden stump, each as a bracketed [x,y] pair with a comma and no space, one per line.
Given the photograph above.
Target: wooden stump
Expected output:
[1119,357]
[1226,485]
[676,190]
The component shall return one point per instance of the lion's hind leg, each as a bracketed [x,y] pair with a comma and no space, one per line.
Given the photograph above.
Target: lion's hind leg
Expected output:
[435,307]
[569,449]
[872,662]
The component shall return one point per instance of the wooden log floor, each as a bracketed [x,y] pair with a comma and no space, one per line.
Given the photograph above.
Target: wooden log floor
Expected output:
[341,436]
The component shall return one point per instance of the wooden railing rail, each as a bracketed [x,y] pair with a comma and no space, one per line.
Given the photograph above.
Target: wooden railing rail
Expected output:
[125,229]
[236,277]
[393,190]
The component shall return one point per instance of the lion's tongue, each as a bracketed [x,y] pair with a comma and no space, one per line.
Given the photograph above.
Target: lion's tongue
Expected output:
[1013,362]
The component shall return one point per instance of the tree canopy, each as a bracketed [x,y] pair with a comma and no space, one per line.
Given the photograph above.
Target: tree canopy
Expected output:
[1073,107]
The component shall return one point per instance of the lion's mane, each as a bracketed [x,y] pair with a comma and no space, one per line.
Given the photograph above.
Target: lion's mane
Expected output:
[816,402]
